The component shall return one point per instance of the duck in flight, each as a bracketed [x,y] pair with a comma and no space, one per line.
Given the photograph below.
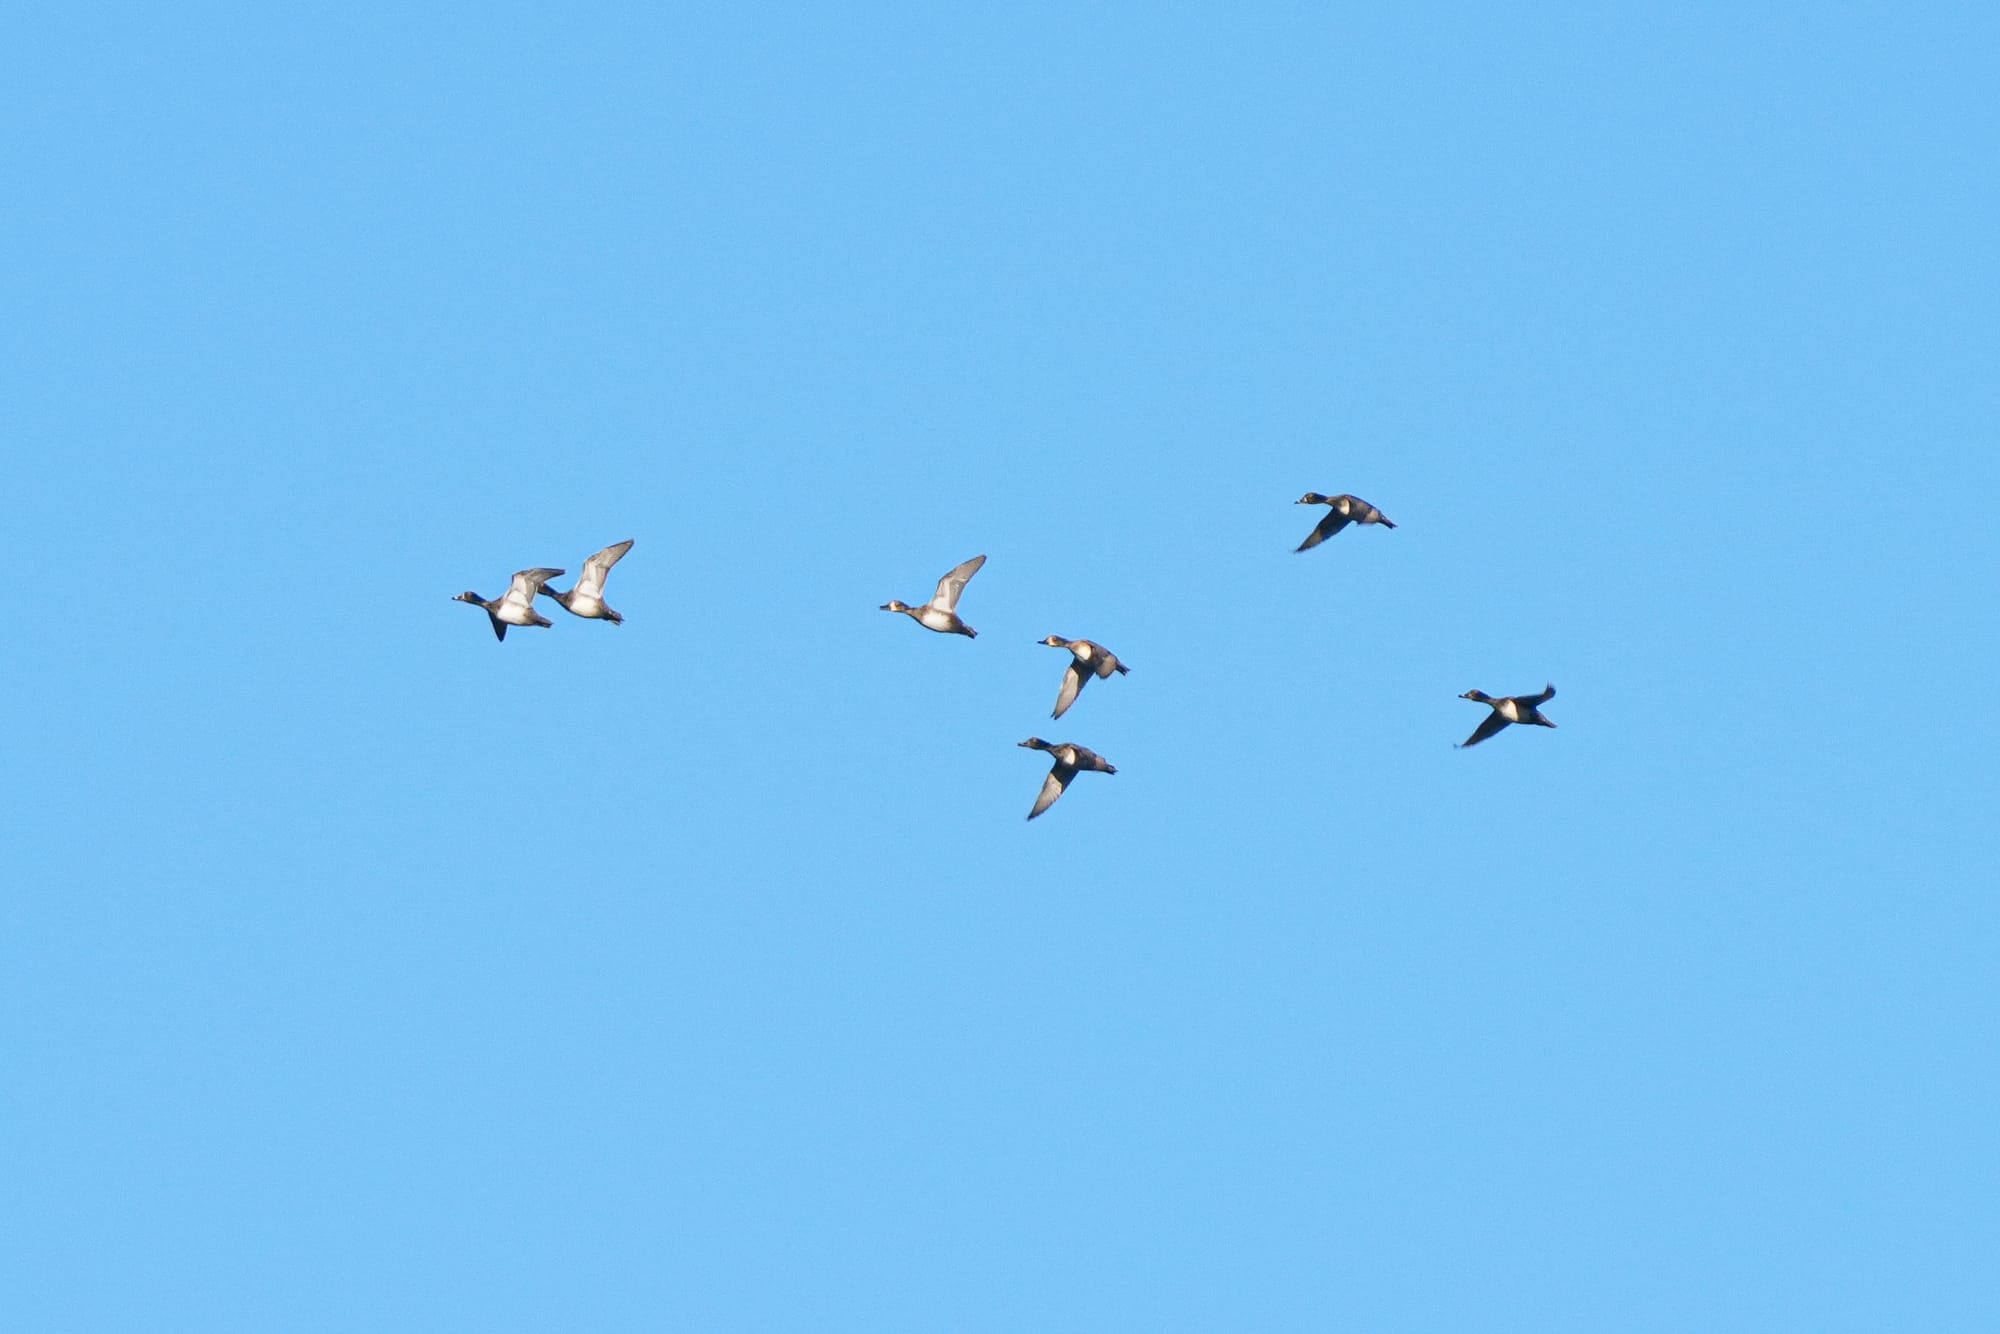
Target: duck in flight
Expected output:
[517,605]
[1087,659]
[1071,760]
[941,612]
[586,597]
[1343,511]
[1507,709]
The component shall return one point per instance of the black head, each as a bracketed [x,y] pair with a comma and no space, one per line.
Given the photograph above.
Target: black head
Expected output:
[1313,498]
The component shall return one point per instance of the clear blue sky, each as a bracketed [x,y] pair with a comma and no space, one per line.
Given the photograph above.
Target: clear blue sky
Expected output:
[361,973]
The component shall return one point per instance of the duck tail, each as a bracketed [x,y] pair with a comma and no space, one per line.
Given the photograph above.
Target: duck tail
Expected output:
[1122,669]
[1386,522]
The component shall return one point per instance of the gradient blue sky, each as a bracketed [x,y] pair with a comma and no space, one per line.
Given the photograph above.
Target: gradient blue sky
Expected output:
[364,974]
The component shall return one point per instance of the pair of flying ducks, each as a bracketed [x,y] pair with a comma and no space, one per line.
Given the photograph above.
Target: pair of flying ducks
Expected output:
[1087,659]
[586,598]
[1343,510]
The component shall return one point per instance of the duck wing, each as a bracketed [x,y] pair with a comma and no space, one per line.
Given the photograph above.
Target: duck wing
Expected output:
[1052,787]
[1548,693]
[499,627]
[598,568]
[1494,722]
[953,584]
[1331,524]
[1074,677]
[528,583]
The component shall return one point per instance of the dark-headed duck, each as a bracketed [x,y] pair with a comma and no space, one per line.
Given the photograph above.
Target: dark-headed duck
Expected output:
[941,612]
[1507,709]
[1070,760]
[517,605]
[586,598]
[1088,658]
[1343,511]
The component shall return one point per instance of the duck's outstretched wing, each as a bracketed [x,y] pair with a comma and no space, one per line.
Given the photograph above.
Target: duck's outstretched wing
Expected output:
[598,568]
[1327,527]
[499,627]
[1052,787]
[527,584]
[1494,722]
[1074,676]
[953,584]
[1548,693]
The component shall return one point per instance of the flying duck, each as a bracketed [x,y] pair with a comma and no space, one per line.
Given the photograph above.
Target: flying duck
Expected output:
[941,612]
[1070,761]
[1508,709]
[1087,659]
[586,598]
[517,605]
[1345,510]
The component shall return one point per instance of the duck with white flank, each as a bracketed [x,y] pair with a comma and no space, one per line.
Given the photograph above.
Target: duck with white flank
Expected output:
[1508,709]
[1087,659]
[1344,510]
[941,612]
[517,605]
[1070,761]
[586,598]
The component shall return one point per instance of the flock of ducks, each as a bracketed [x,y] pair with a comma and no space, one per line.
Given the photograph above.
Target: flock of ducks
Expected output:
[1088,658]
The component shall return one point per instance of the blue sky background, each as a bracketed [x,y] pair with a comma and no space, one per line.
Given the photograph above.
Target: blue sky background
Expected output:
[361,973]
